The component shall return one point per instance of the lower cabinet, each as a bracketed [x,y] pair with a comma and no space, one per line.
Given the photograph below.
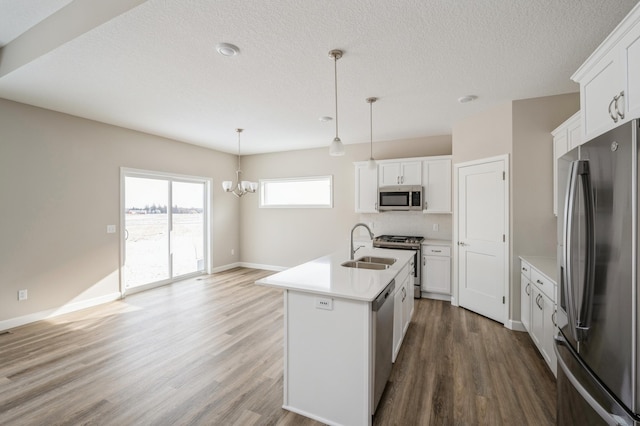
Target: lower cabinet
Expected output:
[543,325]
[402,308]
[398,323]
[525,301]
[538,310]
[436,269]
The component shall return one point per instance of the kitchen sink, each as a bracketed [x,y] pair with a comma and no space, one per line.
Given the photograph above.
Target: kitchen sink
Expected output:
[373,259]
[365,265]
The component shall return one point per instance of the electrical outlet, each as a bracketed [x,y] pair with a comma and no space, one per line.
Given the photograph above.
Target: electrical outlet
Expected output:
[325,303]
[111,229]
[436,227]
[22,295]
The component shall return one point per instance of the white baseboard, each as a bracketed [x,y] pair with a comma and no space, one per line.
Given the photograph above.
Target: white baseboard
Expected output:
[515,325]
[225,267]
[65,309]
[435,296]
[248,265]
[265,267]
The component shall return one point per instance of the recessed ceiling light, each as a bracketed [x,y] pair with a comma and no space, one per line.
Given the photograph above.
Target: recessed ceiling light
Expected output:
[468,98]
[325,118]
[227,49]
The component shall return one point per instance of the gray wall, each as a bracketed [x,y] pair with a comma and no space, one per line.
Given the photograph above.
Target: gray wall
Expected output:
[60,187]
[286,237]
[522,130]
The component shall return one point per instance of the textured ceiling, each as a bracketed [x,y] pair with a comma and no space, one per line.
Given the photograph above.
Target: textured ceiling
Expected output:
[152,65]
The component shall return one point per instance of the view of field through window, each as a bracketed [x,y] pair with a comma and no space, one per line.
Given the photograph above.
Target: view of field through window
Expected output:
[162,242]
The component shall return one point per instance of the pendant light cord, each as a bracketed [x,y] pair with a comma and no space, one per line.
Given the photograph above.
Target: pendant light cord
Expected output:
[239,131]
[335,79]
[371,128]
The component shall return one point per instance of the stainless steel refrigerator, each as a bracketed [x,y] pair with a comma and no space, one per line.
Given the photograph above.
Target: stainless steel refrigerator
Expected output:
[598,343]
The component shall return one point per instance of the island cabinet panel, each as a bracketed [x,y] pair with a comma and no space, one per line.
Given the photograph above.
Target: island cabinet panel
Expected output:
[327,358]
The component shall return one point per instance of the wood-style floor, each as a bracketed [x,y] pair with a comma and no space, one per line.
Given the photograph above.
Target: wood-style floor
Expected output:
[209,351]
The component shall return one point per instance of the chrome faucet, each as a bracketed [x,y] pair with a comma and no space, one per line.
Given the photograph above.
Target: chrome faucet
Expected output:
[353,252]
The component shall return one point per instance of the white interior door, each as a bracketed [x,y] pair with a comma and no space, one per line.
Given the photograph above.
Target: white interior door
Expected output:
[482,242]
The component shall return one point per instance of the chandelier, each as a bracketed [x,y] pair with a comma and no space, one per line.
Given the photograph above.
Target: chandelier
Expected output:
[242,186]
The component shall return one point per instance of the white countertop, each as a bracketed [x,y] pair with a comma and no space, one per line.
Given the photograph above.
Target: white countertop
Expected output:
[548,266]
[326,276]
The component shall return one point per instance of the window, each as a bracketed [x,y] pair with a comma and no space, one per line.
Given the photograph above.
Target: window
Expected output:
[165,227]
[302,192]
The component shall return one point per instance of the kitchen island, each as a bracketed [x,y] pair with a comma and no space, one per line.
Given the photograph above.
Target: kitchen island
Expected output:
[330,334]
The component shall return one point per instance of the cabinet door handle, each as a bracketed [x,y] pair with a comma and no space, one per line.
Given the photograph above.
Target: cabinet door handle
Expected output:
[611,113]
[539,282]
[553,318]
[527,289]
[538,301]
[436,251]
[616,99]
[424,261]
[525,269]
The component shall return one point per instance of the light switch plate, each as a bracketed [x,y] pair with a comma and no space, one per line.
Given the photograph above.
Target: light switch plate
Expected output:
[325,303]
[111,229]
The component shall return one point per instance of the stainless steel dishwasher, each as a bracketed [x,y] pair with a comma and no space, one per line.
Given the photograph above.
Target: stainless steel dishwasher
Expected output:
[382,308]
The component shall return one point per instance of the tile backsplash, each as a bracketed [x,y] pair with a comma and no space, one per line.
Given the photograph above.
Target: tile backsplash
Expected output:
[410,223]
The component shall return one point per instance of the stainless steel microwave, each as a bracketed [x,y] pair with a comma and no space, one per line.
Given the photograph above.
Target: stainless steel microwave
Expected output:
[400,198]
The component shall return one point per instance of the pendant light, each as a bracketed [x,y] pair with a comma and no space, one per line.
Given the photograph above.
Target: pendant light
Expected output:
[336,149]
[242,186]
[371,163]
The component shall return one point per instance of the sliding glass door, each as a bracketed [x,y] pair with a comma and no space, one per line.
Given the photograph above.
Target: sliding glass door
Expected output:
[165,228]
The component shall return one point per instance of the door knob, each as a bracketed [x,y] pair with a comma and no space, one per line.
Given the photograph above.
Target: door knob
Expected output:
[462,243]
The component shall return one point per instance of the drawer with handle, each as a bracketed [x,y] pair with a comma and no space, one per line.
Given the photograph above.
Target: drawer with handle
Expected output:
[544,284]
[525,269]
[430,250]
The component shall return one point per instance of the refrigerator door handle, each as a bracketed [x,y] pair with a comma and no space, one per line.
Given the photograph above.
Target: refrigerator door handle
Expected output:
[579,312]
[585,307]
[609,418]
[567,279]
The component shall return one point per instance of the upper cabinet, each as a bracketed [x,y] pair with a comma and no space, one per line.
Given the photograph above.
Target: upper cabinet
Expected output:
[566,136]
[400,173]
[366,188]
[436,183]
[610,79]
[432,173]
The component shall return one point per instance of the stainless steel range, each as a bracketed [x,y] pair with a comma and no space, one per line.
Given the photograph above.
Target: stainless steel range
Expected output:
[400,242]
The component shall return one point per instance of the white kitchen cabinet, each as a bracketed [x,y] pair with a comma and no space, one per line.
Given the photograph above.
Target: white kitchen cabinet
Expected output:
[398,312]
[408,302]
[539,312]
[402,308]
[432,173]
[436,269]
[436,183]
[400,173]
[566,136]
[366,189]
[543,326]
[610,79]
[525,296]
